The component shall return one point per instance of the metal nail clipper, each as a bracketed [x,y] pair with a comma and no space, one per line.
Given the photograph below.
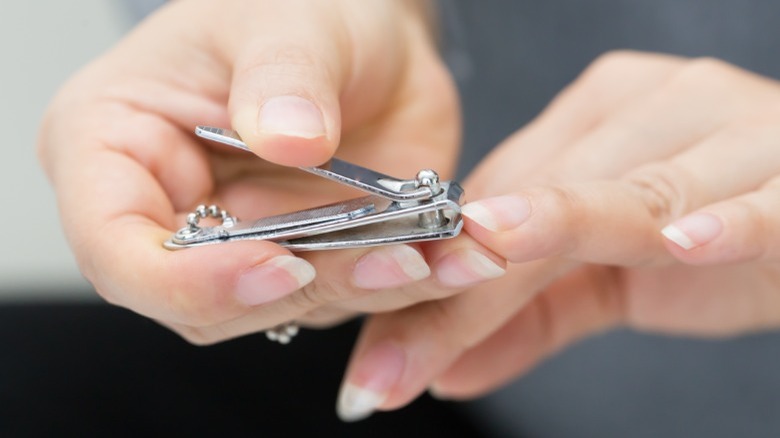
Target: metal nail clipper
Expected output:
[396,211]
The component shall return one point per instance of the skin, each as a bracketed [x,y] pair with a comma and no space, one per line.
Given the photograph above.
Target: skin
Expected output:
[117,145]
[638,142]
[682,136]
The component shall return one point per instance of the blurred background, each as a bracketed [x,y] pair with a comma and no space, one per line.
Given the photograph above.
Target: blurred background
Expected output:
[43,43]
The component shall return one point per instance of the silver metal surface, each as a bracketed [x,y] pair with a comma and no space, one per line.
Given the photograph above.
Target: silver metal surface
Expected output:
[397,211]
[220,135]
[337,170]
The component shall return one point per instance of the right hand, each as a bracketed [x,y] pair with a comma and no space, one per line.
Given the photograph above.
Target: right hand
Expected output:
[577,201]
[297,79]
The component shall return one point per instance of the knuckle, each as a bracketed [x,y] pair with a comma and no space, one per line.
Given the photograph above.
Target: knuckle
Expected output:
[753,225]
[603,69]
[660,189]
[749,213]
[615,62]
[325,317]
[564,201]
[291,55]
[614,58]
[707,65]
[308,297]
[616,75]
[283,63]
[411,294]
[319,293]
[702,72]
[289,60]
[568,209]
[579,162]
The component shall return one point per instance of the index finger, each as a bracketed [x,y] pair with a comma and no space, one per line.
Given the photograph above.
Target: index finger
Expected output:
[117,189]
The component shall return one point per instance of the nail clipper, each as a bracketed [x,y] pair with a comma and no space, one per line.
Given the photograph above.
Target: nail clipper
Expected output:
[396,211]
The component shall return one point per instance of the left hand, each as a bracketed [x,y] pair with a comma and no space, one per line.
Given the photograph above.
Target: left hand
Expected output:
[297,80]
[637,143]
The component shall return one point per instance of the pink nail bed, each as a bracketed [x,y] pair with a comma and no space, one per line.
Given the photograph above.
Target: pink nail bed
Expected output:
[466,268]
[502,213]
[273,279]
[379,368]
[694,230]
[388,267]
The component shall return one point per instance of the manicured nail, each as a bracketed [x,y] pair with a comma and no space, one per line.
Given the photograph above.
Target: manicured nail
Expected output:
[373,376]
[273,279]
[389,266]
[466,267]
[693,230]
[501,213]
[291,116]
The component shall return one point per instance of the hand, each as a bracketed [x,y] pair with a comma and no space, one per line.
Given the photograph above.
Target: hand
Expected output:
[297,79]
[640,143]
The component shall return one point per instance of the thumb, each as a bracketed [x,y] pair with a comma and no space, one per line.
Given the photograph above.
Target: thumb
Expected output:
[284,98]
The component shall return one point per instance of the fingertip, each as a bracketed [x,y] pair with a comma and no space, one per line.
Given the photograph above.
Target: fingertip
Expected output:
[291,116]
[211,284]
[675,235]
[439,392]
[372,375]
[497,224]
[463,262]
[293,151]
[389,267]
[467,267]
[694,230]
[273,279]
[502,213]
[442,391]
[694,239]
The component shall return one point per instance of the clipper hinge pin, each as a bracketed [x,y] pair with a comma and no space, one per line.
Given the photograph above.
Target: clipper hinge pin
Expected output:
[431,219]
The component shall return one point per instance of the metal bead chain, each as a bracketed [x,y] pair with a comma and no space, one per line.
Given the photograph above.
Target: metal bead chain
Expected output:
[202,212]
[282,333]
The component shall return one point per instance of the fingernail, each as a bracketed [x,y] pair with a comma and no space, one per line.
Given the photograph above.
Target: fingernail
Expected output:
[436,392]
[693,230]
[273,279]
[291,116]
[389,266]
[501,213]
[374,375]
[466,267]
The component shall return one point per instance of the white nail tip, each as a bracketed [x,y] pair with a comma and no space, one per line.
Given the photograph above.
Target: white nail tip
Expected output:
[483,266]
[301,270]
[677,236]
[356,403]
[481,215]
[411,262]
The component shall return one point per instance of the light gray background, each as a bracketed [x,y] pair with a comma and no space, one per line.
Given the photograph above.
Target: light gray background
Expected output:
[42,42]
